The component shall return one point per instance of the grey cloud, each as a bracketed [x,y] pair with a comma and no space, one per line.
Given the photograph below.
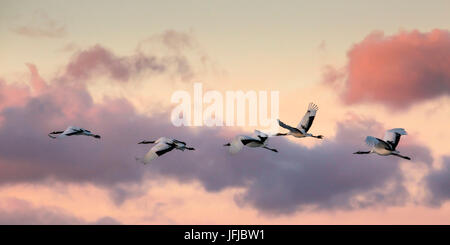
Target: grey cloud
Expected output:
[98,61]
[41,25]
[327,176]
[437,184]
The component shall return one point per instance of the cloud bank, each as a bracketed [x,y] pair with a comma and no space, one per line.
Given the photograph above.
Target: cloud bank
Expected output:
[437,183]
[397,71]
[325,177]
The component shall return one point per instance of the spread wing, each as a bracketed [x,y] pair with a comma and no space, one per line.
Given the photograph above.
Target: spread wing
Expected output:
[392,136]
[70,131]
[308,118]
[372,141]
[375,142]
[283,125]
[156,151]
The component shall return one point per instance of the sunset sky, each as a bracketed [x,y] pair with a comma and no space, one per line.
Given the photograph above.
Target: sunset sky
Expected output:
[112,66]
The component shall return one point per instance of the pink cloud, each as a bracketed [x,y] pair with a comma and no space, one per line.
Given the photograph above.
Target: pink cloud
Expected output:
[324,177]
[12,95]
[99,61]
[37,83]
[397,70]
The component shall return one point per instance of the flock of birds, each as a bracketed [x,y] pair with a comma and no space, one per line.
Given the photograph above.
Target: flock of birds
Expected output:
[384,147]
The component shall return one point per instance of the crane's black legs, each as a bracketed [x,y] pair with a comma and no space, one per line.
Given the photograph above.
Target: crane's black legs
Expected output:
[274,150]
[404,157]
[361,152]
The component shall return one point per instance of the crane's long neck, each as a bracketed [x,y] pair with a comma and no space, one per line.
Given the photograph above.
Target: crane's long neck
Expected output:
[281,134]
[314,136]
[147,142]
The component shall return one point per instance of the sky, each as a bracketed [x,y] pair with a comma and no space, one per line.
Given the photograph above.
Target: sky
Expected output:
[112,67]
